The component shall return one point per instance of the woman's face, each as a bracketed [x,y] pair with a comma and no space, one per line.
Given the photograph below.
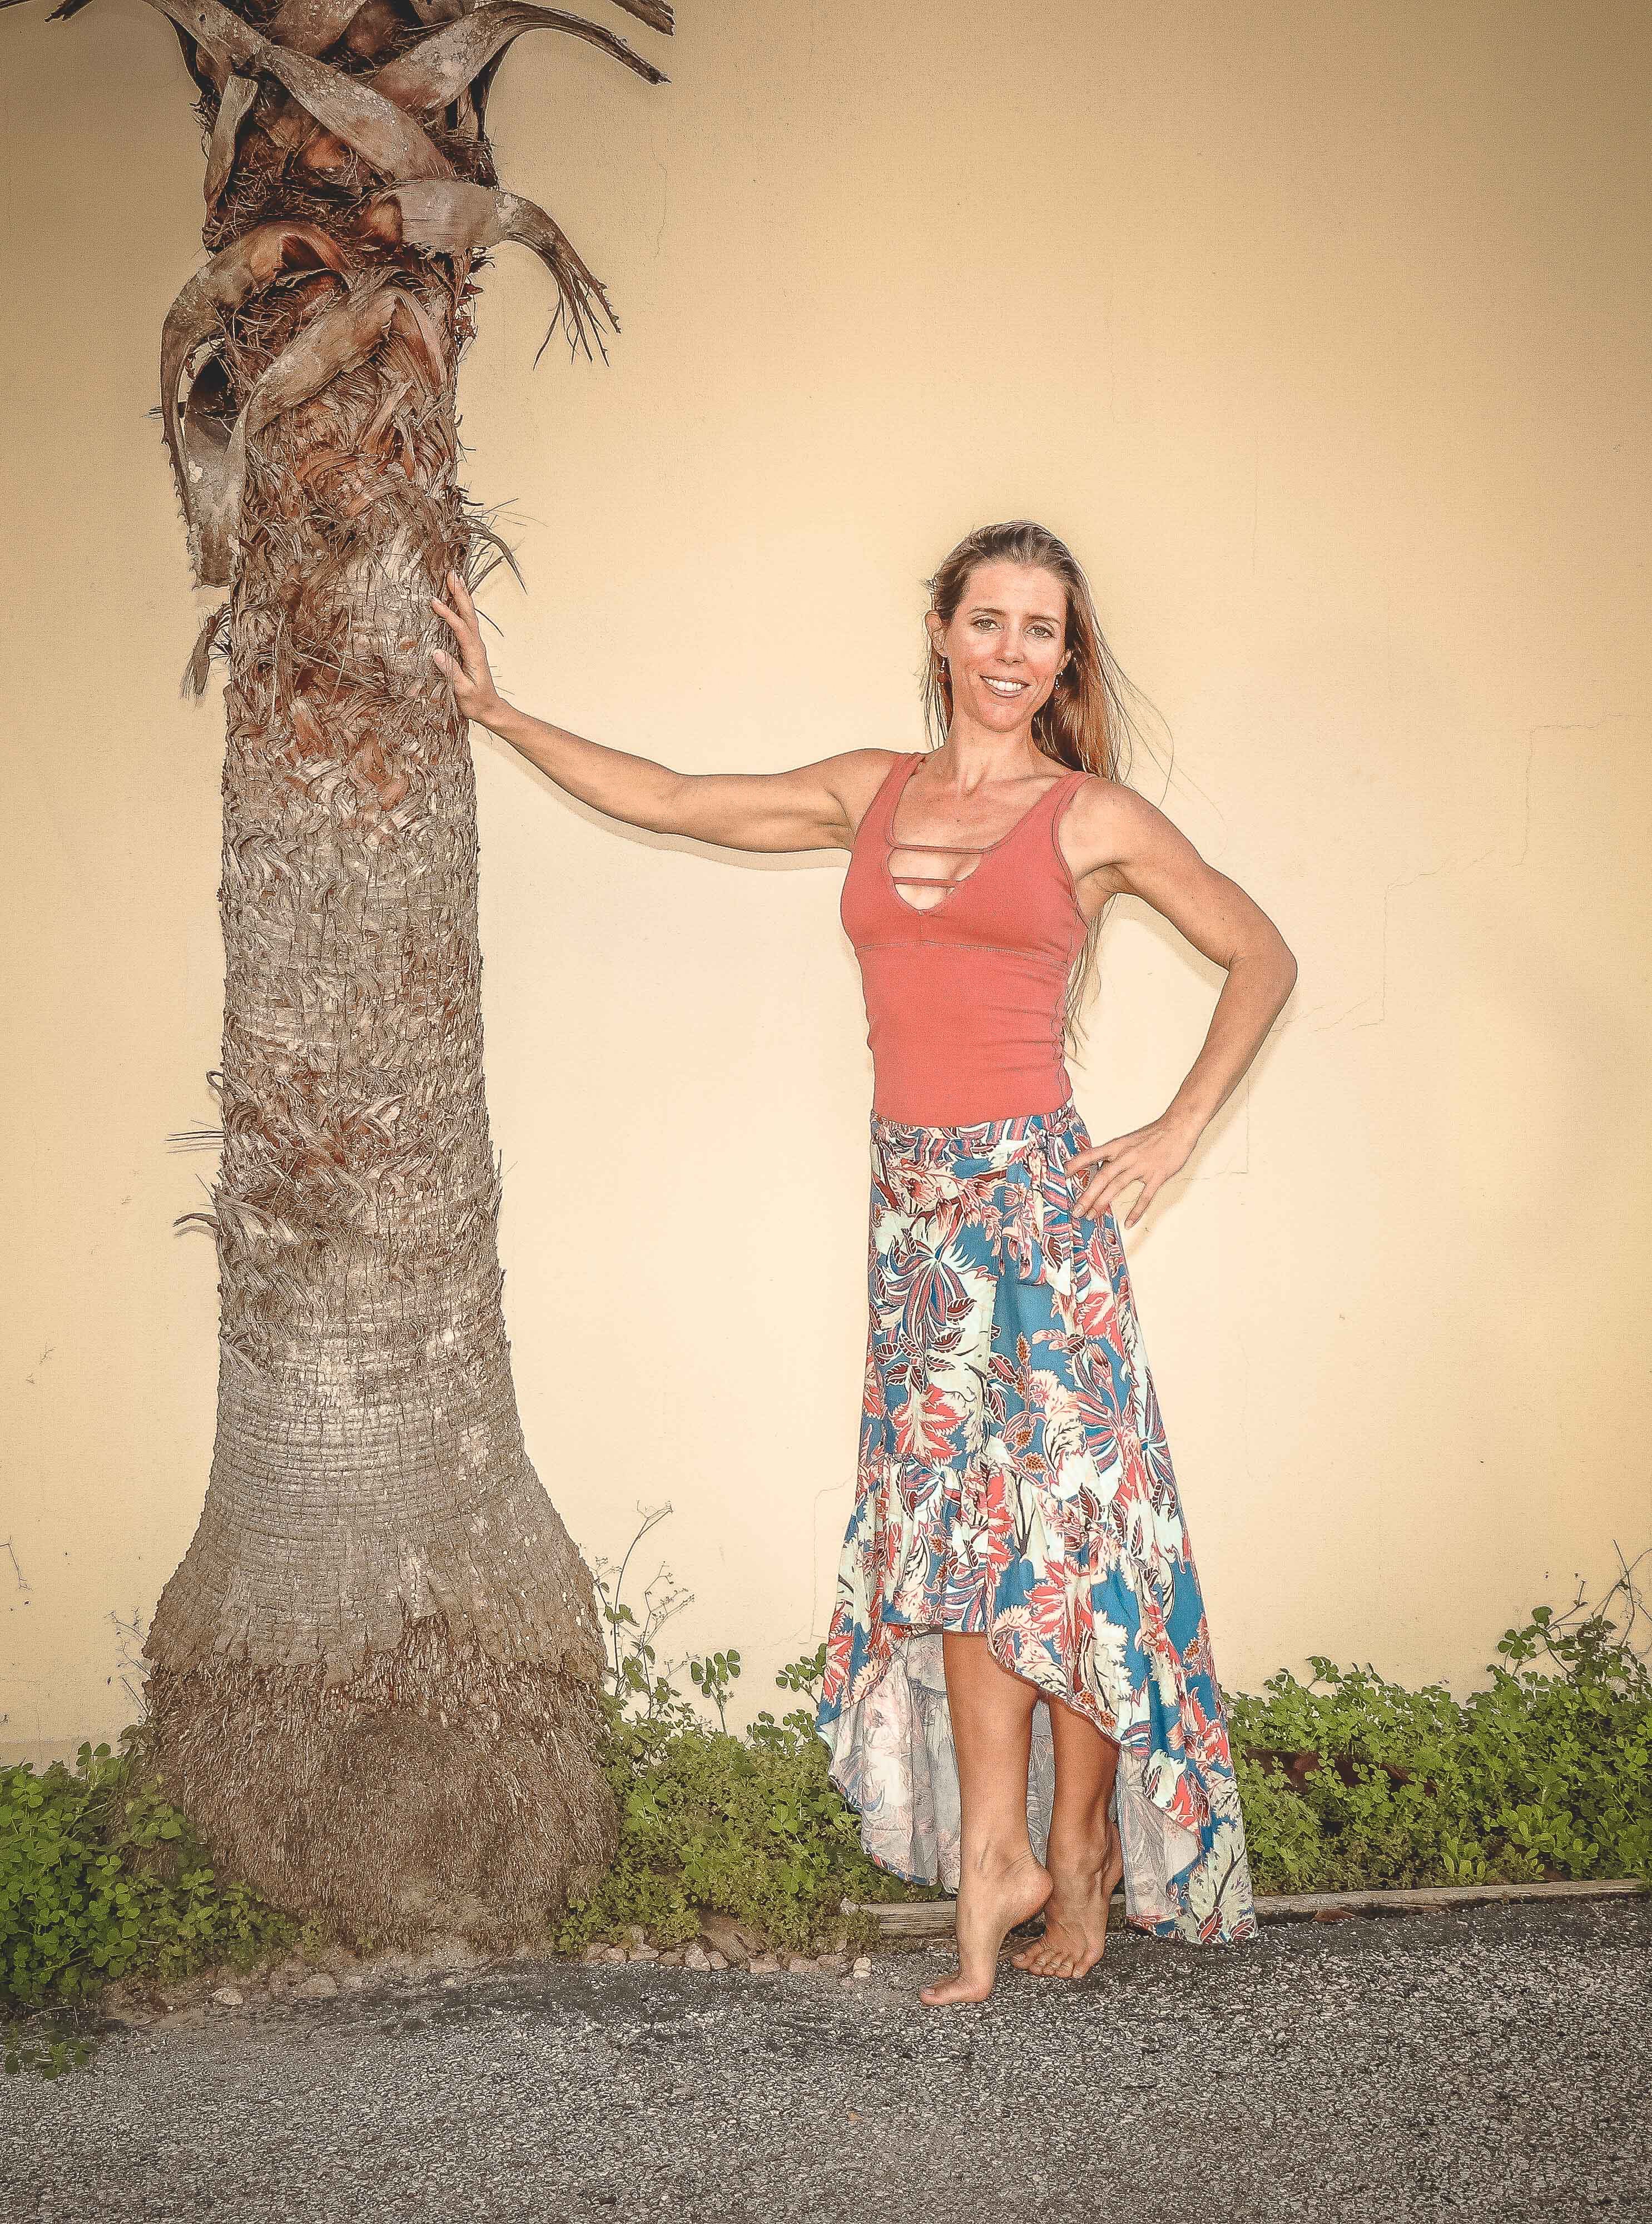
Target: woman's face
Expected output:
[1005,644]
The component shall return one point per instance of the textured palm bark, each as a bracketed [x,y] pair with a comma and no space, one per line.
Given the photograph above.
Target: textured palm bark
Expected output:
[382,1635]
[374,1678]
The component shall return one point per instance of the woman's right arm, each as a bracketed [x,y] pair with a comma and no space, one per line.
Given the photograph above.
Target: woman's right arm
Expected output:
[813,806]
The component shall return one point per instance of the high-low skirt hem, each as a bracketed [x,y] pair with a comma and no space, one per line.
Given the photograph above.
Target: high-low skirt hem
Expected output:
[1014,1481]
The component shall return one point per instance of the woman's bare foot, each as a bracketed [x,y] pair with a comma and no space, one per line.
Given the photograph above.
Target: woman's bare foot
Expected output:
[1075,1919]
[992,1901]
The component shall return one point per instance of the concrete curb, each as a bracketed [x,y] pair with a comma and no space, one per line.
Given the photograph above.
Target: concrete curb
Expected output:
[934,1918]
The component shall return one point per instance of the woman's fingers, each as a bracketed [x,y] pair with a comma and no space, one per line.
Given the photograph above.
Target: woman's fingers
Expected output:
[1149,1191]
[459,625]
[468,673]
[1148,1155]
[1095,1202]
[1117,1167]
[1090,1152]
[469,639]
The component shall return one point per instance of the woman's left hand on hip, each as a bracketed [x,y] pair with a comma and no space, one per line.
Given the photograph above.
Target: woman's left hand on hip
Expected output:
[1148,1155]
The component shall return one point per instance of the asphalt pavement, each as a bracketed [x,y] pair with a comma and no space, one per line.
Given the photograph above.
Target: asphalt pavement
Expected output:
[1493,2063]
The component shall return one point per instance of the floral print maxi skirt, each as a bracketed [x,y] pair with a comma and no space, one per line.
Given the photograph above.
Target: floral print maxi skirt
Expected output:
[1014,1479]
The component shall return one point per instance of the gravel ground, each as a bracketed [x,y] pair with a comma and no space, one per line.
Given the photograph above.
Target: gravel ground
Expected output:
[1492,2063]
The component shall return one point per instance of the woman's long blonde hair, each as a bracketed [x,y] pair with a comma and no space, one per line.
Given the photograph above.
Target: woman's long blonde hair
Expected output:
[1086,721]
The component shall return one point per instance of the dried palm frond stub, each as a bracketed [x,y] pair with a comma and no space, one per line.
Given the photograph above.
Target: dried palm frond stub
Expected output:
[435,72]
[310,26]
[212,471]
[450,216]
[199,466]
[208,639]
[235,105]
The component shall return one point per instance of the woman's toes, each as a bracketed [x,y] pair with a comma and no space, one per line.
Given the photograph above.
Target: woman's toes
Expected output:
[1052,1956]
[950,1991]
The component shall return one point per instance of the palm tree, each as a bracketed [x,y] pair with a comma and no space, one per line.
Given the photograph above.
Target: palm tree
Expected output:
[374,1678]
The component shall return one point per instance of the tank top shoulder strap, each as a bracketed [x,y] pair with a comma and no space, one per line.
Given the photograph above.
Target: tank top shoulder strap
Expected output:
[1058,795]
[879,814]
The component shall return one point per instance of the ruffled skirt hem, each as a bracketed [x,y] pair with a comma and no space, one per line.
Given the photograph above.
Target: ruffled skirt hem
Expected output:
[893,1759]
[1014,1481]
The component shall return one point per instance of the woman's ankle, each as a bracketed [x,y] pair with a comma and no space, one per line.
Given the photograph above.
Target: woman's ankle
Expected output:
[1081,1846]
[997,1857]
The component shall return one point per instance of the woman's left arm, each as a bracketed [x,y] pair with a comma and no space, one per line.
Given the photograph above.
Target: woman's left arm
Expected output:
[1121,844]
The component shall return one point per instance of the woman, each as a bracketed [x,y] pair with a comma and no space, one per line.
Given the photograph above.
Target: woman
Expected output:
[1020,1695]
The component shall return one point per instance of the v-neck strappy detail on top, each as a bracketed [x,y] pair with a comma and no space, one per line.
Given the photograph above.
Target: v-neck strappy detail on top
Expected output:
[893,845]
[965,997]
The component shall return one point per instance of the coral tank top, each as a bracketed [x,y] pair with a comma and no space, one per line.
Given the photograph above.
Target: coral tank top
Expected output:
[966,997]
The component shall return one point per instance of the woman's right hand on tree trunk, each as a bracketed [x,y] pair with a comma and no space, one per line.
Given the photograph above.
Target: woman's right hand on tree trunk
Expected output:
[469,674]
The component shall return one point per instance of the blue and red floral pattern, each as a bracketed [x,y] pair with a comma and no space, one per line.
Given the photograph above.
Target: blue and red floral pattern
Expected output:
[1014,1479]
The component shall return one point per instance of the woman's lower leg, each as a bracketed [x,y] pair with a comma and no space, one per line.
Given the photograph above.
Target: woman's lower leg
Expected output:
[1084,1855]
[1002,1882]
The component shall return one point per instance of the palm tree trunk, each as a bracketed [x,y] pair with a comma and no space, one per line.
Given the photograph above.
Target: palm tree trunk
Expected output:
[374,1678]
[380,1646]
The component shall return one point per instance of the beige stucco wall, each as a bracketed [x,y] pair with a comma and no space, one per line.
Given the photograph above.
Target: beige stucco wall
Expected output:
[1322,335]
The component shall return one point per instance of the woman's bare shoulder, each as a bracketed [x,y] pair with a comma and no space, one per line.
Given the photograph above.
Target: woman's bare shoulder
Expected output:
[1102,803]
[1107,823]
[858,774]
[866,766]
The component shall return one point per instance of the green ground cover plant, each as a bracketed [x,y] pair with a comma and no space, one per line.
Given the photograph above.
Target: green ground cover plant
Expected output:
[100,1877]
[744,1825]
[1351,1782]
[1348,1781]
